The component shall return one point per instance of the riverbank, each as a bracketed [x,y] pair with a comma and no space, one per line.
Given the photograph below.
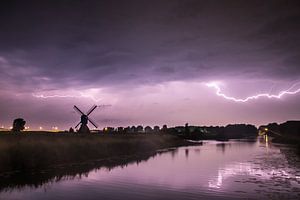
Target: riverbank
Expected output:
[152,177]
[285,133]
[40,150]
[288,140]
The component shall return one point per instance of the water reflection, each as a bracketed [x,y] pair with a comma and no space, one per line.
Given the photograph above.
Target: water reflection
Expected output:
[10,181]
[222,146]
[174,152]
[186,153]
[215,170]
[197,151]
[248,169]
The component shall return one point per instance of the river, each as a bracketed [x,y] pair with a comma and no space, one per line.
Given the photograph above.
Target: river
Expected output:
[212,170]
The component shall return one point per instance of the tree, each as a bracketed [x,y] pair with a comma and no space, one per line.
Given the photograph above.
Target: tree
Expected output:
[18,125]
[164,128]
[148,129]
[139,129]
[156,129]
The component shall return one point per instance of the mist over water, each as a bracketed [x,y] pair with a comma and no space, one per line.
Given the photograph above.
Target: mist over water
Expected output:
[215,170]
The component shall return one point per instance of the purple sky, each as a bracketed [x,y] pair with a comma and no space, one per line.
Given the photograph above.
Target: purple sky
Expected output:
[149,60]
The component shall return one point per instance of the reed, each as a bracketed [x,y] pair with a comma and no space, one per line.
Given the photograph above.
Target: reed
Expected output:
[38,150]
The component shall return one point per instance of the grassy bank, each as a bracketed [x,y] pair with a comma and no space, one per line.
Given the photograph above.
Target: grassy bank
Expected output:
[34,150]
[288,140]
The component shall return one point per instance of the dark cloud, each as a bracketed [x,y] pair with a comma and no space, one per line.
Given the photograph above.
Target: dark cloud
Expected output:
[109,43]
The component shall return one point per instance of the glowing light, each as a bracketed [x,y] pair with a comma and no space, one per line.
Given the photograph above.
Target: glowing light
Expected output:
[41,128]
[266,138]
[289,91]
[54,128]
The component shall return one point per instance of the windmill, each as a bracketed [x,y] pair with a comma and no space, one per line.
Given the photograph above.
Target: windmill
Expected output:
[85,119]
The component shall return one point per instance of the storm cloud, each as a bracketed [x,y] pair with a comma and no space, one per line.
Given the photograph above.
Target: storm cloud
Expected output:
[126,45]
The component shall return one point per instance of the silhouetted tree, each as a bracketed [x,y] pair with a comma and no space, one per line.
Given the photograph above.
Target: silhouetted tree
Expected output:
[148,129]
[139,129]
[120,129]
[71,130]
[187,129]
[18,125]
[156,129]
[164,128]
[290,128]
[127,129]
[240,131]
[133,129]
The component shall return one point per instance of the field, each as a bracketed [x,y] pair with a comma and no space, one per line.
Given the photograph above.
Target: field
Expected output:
[39,150]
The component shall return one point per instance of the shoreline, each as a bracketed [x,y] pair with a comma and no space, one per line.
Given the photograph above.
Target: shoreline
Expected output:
[36,151]
[23,169]
[152,145]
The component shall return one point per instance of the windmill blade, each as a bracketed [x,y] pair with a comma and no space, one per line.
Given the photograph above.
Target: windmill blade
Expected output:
[91,110]
[92,122]
[77,125]
[78,110]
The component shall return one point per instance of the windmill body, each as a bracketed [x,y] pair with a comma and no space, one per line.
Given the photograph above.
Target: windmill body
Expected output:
[84,119]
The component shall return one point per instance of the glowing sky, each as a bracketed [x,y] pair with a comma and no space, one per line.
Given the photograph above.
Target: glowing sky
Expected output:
[150,61]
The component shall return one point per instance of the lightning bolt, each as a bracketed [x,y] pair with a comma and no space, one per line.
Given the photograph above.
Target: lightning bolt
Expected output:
[81,95]
[290,91]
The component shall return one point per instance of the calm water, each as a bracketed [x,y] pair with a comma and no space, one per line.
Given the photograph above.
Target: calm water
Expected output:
[214,170]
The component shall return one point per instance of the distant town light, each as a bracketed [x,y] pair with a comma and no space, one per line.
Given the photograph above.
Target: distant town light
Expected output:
[266,129]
